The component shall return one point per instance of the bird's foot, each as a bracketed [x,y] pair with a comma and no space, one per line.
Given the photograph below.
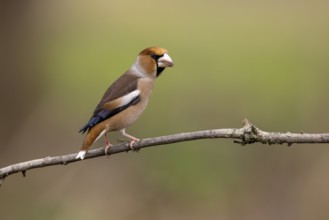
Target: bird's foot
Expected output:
[131,144]
[106,149]
[133,140]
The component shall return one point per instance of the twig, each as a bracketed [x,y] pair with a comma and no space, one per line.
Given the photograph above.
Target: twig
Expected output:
[248,134]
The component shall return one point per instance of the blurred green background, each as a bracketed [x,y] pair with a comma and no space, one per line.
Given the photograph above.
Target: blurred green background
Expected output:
[262,60]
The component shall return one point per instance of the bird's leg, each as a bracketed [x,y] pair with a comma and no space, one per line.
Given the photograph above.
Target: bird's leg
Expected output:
[133,139]
[107,145]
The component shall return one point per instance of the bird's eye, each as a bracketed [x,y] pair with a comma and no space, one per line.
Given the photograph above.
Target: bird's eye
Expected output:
[154,56]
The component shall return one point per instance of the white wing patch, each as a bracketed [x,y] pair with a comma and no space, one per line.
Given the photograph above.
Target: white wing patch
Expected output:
[129,97]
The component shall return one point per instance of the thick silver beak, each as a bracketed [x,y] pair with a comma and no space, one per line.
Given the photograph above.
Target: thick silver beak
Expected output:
[165,61]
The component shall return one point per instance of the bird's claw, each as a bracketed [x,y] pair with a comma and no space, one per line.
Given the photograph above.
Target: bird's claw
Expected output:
[106,149]
[131,144]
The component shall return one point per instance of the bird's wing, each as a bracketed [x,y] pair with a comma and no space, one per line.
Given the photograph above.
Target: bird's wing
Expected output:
[118,97]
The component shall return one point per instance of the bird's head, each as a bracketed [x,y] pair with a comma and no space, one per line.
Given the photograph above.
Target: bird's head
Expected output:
[153,60]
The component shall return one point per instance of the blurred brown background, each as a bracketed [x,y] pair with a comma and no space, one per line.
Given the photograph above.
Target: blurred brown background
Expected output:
[263,60]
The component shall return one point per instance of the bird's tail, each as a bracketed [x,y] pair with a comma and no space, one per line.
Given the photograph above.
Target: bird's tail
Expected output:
[92,136]
[84,128]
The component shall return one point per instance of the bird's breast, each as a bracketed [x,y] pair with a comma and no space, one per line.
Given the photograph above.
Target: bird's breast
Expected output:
[133,112]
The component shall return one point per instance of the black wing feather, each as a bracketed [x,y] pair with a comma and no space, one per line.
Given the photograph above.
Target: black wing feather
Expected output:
[105,114]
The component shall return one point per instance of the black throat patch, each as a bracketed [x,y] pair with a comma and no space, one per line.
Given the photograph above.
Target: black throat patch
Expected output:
[159,70]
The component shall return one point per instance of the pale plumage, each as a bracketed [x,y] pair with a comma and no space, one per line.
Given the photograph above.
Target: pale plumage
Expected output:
[125,100]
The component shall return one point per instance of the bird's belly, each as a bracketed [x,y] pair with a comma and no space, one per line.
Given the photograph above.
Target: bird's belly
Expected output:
[125,118]
[131,114]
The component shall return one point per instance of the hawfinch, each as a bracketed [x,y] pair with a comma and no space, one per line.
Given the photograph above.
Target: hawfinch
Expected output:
[125,100]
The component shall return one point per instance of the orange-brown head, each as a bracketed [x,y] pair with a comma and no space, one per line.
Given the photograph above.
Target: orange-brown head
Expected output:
[153,60]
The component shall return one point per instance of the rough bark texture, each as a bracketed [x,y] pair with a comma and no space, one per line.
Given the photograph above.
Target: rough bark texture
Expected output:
[248,134]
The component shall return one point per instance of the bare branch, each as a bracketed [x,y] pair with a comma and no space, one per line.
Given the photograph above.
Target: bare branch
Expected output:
[248,134]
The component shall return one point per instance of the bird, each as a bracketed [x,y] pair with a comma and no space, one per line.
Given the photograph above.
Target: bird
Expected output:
[126,99]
